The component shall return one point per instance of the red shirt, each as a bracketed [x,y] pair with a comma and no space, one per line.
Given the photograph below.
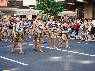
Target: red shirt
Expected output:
[76,26]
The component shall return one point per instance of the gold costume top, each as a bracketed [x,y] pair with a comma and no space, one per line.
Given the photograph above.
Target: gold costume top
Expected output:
[53,29]
[39,29]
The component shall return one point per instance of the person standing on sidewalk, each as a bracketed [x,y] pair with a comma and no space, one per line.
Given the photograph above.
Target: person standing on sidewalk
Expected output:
[76,29]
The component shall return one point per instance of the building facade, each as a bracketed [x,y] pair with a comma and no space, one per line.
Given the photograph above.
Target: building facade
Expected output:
[83,8]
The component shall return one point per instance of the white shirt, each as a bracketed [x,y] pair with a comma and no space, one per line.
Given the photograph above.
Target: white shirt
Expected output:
[93,22]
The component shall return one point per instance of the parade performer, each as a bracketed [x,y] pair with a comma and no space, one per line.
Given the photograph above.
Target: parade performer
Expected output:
[5,29]
[52,28]
[38,29]
[26,30]
[64,34]
[17,35]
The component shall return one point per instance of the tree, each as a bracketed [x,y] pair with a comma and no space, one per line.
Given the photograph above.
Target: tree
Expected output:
[49,7]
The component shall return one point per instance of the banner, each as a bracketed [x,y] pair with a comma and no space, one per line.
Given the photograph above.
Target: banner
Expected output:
[3,2]
[29,2]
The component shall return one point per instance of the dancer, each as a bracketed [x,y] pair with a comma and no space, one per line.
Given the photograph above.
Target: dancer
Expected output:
[64,34]
[38,29]
[52,28]
[17,35]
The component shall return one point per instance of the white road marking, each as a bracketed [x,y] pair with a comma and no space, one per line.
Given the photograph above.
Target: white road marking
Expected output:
[81,53]
[58,49]
[51,48]
[92,55]
[86,54]
[75,52]
[42,46]
[13,61]
[47,47]
[64,50]
[30,44]
[70,51]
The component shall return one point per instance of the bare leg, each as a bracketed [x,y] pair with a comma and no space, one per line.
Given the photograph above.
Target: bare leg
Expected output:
[55,43]
[14,46]
[35,46]
[66,39]
[61,42]
[50,42]
[20,46]
[39,44]
[55,40]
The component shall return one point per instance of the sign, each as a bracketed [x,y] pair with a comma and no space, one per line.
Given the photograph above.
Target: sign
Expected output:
[3,2]
[29,2]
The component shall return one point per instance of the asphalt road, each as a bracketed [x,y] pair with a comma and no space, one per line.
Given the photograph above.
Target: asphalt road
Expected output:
[79,57]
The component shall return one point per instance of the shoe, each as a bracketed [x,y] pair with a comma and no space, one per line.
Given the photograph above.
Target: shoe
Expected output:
[51,48]
[21,52]
[35,49]
[41,51]
[56,48]
[12,51]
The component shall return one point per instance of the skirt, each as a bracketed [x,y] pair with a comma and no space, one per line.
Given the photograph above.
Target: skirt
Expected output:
[53,34]
[38,34]
[18,36]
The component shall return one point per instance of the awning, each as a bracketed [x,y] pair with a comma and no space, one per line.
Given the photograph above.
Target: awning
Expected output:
[8,9]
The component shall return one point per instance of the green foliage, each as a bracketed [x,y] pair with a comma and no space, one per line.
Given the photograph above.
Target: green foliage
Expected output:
[50,7]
